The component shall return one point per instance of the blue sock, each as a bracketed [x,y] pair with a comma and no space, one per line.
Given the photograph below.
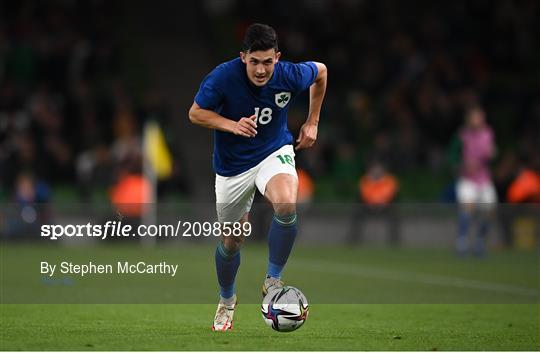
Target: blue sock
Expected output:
[463,230]
[280,242]
[227,263]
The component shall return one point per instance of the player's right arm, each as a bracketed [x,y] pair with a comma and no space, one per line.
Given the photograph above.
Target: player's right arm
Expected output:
[211,94]
[246,127]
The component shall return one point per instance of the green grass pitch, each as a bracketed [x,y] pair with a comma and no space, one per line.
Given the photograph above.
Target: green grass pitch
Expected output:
[387,287]
[329,327]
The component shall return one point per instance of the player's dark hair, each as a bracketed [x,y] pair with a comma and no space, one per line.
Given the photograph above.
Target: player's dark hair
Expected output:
[260,37]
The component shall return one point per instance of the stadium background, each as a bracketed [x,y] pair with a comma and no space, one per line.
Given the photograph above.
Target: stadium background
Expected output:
[81,78]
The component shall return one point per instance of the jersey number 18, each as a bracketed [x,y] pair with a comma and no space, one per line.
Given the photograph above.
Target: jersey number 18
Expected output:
[264,116]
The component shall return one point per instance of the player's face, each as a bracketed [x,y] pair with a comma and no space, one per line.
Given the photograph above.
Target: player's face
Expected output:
[260,65]
[476,118]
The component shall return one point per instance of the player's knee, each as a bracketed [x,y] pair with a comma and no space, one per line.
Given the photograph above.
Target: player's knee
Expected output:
[233,243]
[286,207]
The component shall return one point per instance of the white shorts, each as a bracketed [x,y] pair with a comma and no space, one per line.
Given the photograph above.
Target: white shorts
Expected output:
[234,195]
[471,192]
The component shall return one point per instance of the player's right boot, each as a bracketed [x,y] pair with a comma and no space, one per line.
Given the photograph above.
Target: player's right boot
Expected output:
[271,283]
[223,321]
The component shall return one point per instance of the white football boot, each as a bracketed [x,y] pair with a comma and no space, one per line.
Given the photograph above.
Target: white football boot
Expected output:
[223,321]
[271,283]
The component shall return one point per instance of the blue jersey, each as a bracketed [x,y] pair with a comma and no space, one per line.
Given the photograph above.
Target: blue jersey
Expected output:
[228,92]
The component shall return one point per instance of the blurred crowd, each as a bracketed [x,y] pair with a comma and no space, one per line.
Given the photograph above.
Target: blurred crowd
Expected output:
[401,76]
[67,116]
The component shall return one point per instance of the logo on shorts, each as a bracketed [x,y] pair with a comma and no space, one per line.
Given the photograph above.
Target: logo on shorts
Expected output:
[282,98]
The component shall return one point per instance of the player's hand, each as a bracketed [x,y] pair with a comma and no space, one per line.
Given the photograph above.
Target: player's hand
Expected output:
[307,136]
[246,127]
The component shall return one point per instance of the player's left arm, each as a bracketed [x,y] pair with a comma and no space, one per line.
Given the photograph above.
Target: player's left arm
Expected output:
[308,131]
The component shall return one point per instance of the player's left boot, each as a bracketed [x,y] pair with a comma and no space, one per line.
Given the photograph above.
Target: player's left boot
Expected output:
[271,283]
[223,321]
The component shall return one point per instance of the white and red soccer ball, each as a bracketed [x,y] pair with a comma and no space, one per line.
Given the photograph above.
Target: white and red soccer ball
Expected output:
[285,309]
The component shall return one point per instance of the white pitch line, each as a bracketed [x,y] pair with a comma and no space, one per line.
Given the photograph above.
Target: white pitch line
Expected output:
[405,276]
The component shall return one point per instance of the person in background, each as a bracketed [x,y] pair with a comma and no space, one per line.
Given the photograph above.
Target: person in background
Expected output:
[524,196]
[132,191]
[378,190]
[475,191]
[31,197]
[306,186]
[525,188]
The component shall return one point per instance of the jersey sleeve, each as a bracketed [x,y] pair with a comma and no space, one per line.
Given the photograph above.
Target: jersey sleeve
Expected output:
[210,92]
[302,75]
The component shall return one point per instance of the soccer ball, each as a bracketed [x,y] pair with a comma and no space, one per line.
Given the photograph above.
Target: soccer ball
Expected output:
[285,309]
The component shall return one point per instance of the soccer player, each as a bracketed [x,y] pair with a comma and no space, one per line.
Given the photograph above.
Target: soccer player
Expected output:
[475,190]
[245,101]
